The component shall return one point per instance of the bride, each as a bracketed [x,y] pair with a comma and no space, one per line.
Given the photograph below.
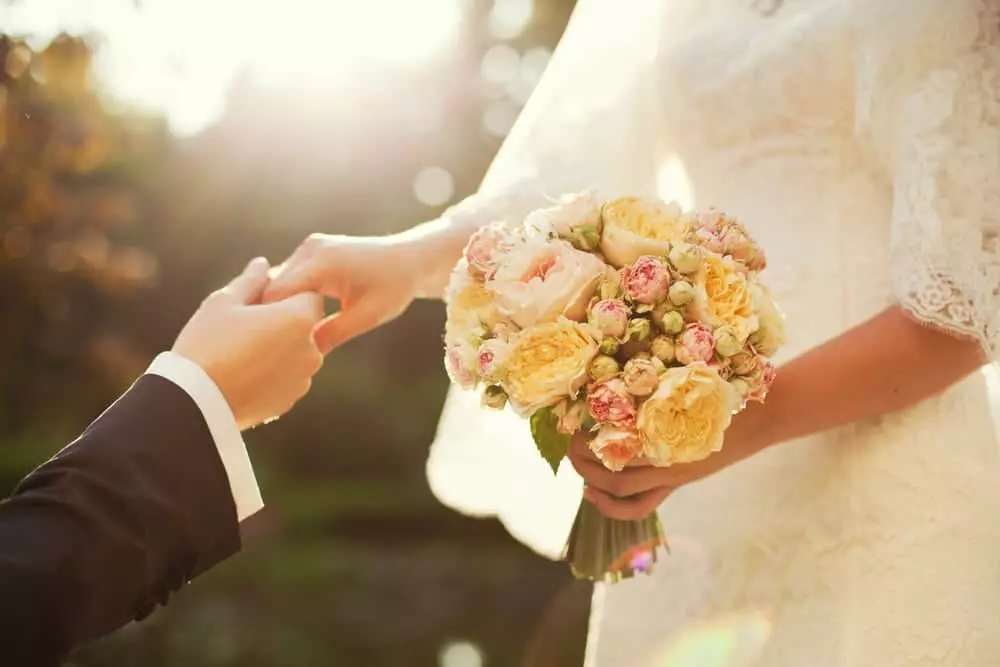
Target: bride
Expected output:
[854,519]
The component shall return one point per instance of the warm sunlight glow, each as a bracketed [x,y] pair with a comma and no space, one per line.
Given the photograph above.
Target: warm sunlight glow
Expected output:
[180,56]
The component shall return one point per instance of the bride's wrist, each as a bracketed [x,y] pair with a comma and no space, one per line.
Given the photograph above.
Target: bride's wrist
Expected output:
[433,247]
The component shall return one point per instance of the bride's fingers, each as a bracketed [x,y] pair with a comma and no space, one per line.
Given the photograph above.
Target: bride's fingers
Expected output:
[632,508]
[627,482]
[349,323]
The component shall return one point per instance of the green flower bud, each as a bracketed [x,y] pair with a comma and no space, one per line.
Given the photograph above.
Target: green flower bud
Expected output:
[638,329]
[603,366]
[685,257]
[672,322]
[494,397]
[662,348]
[610,346]
[611,285]
[681,293]
[727,343]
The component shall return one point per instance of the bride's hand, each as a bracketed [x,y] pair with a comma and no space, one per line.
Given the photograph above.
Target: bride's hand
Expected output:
[635,492]
[374,278]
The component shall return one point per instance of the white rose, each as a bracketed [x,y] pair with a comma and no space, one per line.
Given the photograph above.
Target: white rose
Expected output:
[770,334]
[576,218]
[634,227]
[539,280]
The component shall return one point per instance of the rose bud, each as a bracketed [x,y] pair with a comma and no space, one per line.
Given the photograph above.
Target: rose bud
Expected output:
[695,344]
[662,348]
[610,403]
[761,381]
[647,281]
[610,317]
[494,397]
[491,357]
[570,415]
[609,346]
[672,322]
[727,343]
[744,363]
[603,366]
[610,286]
[641,376]
[681,293]
[685,257]
[484,249]
[638,329]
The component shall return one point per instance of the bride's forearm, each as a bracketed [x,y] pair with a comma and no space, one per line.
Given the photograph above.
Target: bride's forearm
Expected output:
[886,364]
[438,245]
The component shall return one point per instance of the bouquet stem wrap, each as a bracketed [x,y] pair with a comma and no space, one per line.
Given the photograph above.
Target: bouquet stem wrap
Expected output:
[603,549]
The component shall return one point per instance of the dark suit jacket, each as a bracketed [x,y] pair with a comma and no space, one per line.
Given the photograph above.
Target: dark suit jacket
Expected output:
[127,514]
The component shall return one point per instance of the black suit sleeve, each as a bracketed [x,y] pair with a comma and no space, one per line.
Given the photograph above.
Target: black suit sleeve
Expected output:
[126,514]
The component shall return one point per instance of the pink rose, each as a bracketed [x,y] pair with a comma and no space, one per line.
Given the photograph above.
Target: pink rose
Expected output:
[647,281]
[610,316]
[641,376]
[610,403]
[710,239]
[695,344]
[460,362]
[485,248]
[541,279]
[742,248]
[616,448]
[761,381]
[491,357]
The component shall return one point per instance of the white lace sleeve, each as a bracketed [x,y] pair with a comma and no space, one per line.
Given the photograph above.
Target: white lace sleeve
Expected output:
[929,101]
[593,122]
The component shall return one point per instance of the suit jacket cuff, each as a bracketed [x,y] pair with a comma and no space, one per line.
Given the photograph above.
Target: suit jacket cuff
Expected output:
[190,377]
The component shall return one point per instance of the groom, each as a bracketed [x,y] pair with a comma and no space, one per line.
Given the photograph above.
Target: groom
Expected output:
[153,492]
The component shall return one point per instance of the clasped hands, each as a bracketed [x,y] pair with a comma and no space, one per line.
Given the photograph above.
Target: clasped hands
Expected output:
[263,337]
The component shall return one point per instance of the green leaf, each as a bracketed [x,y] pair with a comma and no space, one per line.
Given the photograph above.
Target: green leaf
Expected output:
[552,444]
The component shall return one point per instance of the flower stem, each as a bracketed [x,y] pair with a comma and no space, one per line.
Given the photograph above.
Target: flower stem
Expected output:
[603,549]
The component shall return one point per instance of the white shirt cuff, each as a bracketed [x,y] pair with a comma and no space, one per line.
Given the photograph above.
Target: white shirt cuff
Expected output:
[190,377]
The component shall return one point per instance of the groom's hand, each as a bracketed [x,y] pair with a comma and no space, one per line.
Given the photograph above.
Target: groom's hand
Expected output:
[262,357]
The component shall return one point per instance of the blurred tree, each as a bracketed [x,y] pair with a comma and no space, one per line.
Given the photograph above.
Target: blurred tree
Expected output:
[68,208]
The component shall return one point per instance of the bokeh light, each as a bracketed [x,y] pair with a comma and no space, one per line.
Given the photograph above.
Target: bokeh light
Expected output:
[509,18]
[434,186]
[460,654]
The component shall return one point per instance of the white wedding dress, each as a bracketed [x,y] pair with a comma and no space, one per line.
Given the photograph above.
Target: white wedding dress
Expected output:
[859,140]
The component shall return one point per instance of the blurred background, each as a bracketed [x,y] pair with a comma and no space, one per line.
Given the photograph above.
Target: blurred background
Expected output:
[147,150]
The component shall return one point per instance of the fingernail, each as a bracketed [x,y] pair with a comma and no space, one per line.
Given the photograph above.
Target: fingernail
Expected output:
[258,262]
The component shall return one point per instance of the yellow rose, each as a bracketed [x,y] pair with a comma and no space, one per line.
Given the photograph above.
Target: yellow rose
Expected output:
[471,308]
[547,363]
[687,416]
[723,297]
[635,226]
[770,334]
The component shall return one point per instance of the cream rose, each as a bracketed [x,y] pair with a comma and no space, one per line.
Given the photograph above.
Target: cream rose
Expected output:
[471,309]
[770,334]
[723,298]
[576,218]
[541,279]
[686,418]
[547,362]
[635,226]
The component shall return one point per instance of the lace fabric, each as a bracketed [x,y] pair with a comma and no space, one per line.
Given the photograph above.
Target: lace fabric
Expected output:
[929,100]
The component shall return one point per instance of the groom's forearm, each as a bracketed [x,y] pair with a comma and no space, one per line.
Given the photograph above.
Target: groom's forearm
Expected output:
[111,526]
[885,364]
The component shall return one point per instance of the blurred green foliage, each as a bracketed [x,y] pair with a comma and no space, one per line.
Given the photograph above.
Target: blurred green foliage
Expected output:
[112,231]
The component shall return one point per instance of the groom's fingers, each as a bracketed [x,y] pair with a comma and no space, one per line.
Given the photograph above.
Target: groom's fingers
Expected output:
[247,288]
[349,323]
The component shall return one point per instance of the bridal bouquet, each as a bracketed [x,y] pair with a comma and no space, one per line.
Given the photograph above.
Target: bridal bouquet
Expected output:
[642,326]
